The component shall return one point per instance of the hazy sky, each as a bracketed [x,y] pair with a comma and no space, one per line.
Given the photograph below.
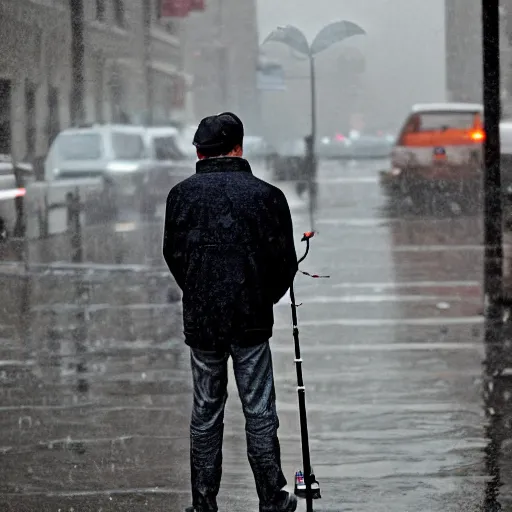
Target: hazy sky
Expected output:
[404,46]
[400,33]
[417,19]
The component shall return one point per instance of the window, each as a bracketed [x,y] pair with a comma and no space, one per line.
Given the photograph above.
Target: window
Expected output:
[100,10]
[128,146]
[5,117]
[171,27]
[30,119]
[440,121]
[80,146]
[119,12]
[53,126]
[167,149]
[117,96]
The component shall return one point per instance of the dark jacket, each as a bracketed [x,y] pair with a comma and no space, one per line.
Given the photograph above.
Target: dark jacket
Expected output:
[228,242]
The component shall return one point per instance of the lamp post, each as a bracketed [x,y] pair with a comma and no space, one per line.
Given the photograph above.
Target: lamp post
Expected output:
[78,56]
[493,236]
[331,34]
[148,71]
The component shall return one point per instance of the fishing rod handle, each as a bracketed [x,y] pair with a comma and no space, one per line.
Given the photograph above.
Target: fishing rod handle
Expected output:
[306,238]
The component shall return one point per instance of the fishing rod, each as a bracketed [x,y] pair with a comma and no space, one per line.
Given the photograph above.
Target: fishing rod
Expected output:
[306,484]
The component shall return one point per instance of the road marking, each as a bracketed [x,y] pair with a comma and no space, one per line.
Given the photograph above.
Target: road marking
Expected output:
[390,247]
[14,362]
[348,299]
[437,248]
[332,407]
[410,284]
[104,492]
[387,322]
[327,348]
[344,179]
[370,222]
[126,227]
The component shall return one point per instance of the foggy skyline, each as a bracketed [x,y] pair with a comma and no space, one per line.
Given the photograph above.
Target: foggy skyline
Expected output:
[404,48]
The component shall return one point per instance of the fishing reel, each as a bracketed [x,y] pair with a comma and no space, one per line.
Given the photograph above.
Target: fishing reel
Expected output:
[301,490]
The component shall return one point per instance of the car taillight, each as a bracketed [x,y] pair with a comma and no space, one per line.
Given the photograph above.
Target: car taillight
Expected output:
[478,136]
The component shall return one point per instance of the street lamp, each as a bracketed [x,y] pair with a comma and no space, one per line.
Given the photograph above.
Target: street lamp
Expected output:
[493,212]
[331,34]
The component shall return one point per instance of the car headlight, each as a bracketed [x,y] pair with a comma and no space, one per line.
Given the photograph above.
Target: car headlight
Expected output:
[122,167]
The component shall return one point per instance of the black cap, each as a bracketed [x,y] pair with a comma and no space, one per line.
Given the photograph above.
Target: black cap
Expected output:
[217,135]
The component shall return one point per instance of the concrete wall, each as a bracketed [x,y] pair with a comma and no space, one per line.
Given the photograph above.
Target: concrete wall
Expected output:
[464,68]
[35,42]
[221,54]
[464,50]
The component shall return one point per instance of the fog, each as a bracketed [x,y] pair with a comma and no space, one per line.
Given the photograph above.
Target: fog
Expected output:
[404,51]
[404,317]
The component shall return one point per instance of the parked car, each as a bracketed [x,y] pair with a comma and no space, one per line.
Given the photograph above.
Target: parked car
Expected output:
[184,141]
[439,150]
[257,149]
[108,165]
[169,164]
[13,179]
[506,169]
[117,154]
[357,145]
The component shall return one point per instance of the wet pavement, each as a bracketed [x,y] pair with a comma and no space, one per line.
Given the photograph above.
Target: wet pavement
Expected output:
[95,385]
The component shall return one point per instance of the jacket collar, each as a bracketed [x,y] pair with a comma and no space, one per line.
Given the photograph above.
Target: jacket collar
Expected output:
[223,163]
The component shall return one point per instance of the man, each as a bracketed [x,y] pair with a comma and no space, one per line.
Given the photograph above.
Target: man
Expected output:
[308,171]
[228,242]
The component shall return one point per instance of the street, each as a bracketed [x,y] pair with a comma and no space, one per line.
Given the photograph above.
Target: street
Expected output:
[95,383]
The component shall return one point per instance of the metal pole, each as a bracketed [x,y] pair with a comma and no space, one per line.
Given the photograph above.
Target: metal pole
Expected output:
[313,99]
[493,222]
[312,149]
[76,226]
[493,237]
[82,292]
[78,53]
[148,72]
[223,58]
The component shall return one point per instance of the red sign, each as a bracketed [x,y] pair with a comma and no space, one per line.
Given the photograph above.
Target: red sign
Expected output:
[197,5]
[175,8]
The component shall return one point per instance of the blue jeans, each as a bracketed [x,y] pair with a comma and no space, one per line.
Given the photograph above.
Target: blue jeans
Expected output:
[255,383]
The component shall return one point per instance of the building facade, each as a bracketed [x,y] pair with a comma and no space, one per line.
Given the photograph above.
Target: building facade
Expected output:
[131,68]
[464,68]
[221,52]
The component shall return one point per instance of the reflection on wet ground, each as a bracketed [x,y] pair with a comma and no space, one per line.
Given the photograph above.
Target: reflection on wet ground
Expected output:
[95,386]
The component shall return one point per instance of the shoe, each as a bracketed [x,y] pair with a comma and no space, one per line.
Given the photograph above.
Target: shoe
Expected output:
[286,502]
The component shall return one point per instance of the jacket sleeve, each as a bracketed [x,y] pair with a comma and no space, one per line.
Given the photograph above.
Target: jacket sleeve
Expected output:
[285,259]
[174,243]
